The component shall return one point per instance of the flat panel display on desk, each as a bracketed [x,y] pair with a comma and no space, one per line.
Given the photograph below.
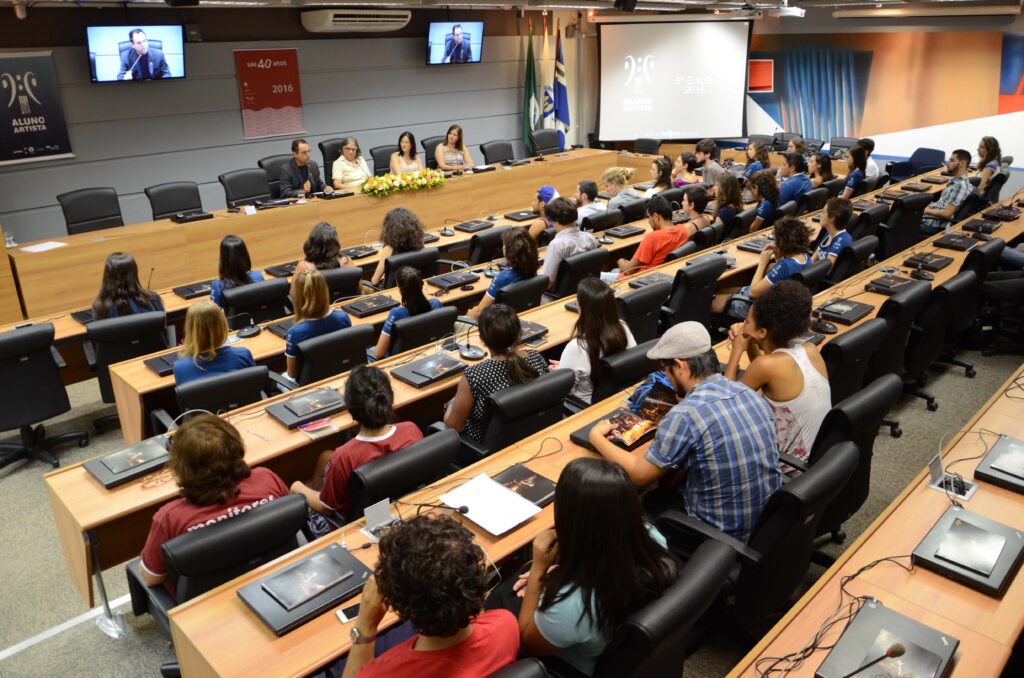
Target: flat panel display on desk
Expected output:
[120,53]
[651,89]
[455,42]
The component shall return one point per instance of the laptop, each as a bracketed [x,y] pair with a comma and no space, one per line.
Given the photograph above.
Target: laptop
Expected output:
[474,226]
[624,231]
[85,317]
[199,289]
[358,252]
[956,241]
[843,311]
[981,226]
[928,261]
[887,284]
[281,327]
[755,245]
[450,281]
[650,279]
[163,365]
[282,270]
[531,331]
[133,462]
[378,303]
[426,371]
[521,215]
[189,217]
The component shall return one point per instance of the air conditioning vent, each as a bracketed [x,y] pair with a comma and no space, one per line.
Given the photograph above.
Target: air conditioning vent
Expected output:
[355,20]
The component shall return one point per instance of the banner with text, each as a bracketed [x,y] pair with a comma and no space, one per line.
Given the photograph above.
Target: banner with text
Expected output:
[268,87]
[32,117]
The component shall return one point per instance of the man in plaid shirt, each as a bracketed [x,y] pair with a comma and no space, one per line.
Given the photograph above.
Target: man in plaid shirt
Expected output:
[955,192]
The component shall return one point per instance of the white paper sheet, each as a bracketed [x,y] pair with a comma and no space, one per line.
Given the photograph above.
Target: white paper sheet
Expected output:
[491,505]
[43,246]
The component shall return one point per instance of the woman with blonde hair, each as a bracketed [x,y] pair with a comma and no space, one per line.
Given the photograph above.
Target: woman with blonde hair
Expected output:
[615,180]
[204,352]
[313,316]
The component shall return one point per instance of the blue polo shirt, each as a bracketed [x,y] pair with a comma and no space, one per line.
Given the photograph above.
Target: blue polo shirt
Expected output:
[766,210]
[854,180]
[156,304]
[502,280]
[832,246]
[794,187]
[308,329]
[401,312]
[228,359]
[784,270]
[218,286]
[753,167]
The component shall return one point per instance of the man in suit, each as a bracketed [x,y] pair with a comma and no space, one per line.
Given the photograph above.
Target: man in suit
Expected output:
[301,176]
[457,50]
[141,62]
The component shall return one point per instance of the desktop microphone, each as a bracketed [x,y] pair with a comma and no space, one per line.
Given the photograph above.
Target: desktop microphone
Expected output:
[150,281]
[458,509]
[139,56]
[468,351]
[445,231]
[895,650]
[251,331]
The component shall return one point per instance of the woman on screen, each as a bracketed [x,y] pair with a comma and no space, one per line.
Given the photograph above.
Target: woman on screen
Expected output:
[452,155]
[405,159]
[350,170]
[661,175]
[121,293]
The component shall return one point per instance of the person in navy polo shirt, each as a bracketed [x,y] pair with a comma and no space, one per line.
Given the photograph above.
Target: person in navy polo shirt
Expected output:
[204,352]
[313,316]
[796,180]
[834,219]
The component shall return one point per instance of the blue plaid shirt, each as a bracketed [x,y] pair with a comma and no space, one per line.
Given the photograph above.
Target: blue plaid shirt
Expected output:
[954,193]
[723,434]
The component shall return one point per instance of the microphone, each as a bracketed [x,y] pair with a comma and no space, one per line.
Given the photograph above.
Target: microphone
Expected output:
[251,331]
[895,650]
[445,231]
[468,351]
[458,509]
[137,57]
[150,281]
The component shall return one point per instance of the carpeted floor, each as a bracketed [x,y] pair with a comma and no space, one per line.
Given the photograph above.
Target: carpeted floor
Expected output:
[37,594]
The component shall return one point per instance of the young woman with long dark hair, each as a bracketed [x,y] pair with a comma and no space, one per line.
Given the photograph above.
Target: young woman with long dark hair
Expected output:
[235,268]
[757,159]
[858,159]
[661,175]
[414,302]
[766,193]
[322,249]
[405,159]
[121,293]
[820,169]
[728,198]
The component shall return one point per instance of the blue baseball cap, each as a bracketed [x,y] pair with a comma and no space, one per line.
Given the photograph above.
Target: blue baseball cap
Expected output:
[546,194]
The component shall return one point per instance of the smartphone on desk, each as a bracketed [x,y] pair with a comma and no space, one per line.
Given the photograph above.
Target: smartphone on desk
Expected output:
[348,614]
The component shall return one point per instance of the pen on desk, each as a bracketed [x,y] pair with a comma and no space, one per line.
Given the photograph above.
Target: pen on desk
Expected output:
[253,433]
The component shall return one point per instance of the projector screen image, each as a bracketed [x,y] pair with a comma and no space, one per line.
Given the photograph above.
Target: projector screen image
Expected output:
[119,53]
[682,80]
[455,42]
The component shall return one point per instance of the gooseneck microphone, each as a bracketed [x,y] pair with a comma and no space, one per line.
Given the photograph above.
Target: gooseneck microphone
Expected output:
[149,282]
[895,650]
[458,509]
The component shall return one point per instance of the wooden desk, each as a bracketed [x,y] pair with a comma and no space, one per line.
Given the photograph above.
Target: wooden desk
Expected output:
[987,627]
[68,277]
[739,156]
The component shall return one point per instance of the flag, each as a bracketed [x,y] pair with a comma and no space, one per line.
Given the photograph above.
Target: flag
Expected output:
[561,93]
[531,106]
[548,96]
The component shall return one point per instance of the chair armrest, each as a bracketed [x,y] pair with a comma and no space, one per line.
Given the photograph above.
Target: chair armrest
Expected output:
[469,321]
[453,263]
[573,404]
[367,283]
[282,383]
[171,333]
[798,464]
[58,358]
[90,354]
[161,420]
[677,521]
[898,166]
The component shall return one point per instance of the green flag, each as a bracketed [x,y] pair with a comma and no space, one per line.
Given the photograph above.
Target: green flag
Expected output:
[531,104]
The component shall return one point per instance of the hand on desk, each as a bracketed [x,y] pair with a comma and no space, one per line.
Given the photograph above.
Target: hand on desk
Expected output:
[327,190]
[600,430]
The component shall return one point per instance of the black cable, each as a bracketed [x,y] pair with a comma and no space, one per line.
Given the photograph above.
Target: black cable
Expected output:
[945,487]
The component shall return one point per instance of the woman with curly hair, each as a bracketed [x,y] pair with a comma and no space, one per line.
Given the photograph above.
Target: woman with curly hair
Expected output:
[790,373]
[434,576]
[322,250]
[402,232]
[207,460]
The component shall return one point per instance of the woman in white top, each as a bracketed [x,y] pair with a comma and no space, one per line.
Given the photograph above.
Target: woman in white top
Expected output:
[598,332]
[452,155]
[790,373]
[405,159]
[661,175]
[350,170]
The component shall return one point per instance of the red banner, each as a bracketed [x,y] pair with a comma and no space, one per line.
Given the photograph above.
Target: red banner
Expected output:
[268,87]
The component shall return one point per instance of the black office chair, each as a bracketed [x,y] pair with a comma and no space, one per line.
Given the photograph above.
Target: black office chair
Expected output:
[572,270]
[813,200]
[686,249]
[927,335]
[330,150]
[813,274]
[545,141]
[217,393]
[866,224]
[487,245]
[169,199]
[429,147]
[641,309]
[740,224]
[529,667]
[424,261]
[920,161]
[882,181]
[901,229]
[981,260]
[415,331]
[869,184]
[381,156]
[402,472]
[245,186]
[709,236]
[852,260]
[648,146]
[201,560]
[834,186]
[634,210]
[761,139]
[257,302]
[616,372]
[780,140]
[847,356]
[525,294]
[518,412]
[33,393]
[115,340]
[773,564]
[497,151]
[674,196]
[343,282]
[785,210]
[330,354]
[836,144]
[692,292]
[601,221]
[995,187]
[90,209]
[813,145]
[272,165]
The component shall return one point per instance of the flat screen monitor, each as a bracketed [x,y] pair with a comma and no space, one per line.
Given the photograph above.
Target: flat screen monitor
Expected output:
[455,42]
[120,53]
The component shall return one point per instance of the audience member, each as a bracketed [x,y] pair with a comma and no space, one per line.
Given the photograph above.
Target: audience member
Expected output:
[765,191]
[834,219]
[300,176]
[121,293]
[820,168]
[402,231]
[204,352]
[522,259]
[586,205]
[322,250]
[350,170]
[314,316]
[796,182]
[705,153]
[956,190]
[757,159]
[728,198]
[405,159]
[664,236]
[796,145]
[661,175]
[871,170]
[568,240]
[615,180]
[452,155]
[989,161]
[684,170]
[414,302]
[542,223]
[857,159]
[235,268]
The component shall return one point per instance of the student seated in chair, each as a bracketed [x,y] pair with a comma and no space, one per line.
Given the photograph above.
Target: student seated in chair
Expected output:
[684,170]
[871,170]
[121,293]
[586,194]
[615,180]
[313,316]
[796,145]
[522,259]
[370,401]
[470,409]
[765,190]
[661,175]
[402,232]
[796,180]
[834,219]
[990,162]
[819,169]
[235,268]
[434,576]
[757,160]
[207,460]
[204,352]
[545,194]
[791,376]
[956,190]
[728,199]
[705,152]
[568,240]
[322,250]
[857,158]
[664,236]
[414,302]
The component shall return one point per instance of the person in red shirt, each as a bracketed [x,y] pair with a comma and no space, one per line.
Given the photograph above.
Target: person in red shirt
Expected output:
[658,243]
[434,576]
[208,460]
[370,398]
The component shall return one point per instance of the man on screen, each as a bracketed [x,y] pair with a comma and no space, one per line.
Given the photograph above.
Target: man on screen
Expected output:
[140,62]
[456,50]
[301,176]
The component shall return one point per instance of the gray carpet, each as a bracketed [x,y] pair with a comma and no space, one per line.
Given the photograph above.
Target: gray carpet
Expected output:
[37,594]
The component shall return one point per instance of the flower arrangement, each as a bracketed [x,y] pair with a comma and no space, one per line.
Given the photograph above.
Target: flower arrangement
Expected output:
[407,181]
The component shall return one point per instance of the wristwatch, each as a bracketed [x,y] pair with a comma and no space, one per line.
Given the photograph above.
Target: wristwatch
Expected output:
[358,638]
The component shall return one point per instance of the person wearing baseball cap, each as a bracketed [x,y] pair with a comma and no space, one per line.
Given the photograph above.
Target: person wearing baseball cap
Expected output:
[721,434]
[545,194]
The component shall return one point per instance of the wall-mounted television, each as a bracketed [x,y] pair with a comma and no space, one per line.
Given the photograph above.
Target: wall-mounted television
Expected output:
[455,42]
[120,53]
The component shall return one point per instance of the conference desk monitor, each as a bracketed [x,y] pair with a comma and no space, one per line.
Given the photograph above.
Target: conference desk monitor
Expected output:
[450,281]
[985,226]
[85,317]
[928,653]
[928,261]
[163,365]
[378,303]
[892,194]
[1002,213]
[193,291]
[842,311]
[887,284]
[623,232]
[307,407]
[282,270]
[521,215]
[1004,465]
[863,204]
[425,371]
[473,226]
[651,279]
[959,242]
[358,252]
[281,327]
[133,462]
[289,598]
[730,262]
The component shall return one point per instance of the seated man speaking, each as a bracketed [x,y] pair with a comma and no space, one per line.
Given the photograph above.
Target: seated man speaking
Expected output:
[142,62]
[301,176]
[457,50]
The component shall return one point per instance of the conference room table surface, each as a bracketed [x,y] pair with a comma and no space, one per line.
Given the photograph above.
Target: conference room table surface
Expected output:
[88,515]
[67,275]
[987,627]
[211,631]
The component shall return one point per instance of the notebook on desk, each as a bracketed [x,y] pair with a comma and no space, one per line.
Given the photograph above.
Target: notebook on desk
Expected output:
[843,311]
[755,245]
[473,226]
[916,187]
[163,365]
[426,371]
[306,407]
[887,284]
[450,281]
[730,262]
[893,194]
[528,484]
[1002,213]
[358,252]
[956,241]
[935,181]
[85,317]
[531,331]
[378,303]
[624,231]
[282,270]
[521,215]
[928,261]
[281,327]
[193,291]
[981,226]
[650,279]
[863,204]
[1003,465]
[133,462]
